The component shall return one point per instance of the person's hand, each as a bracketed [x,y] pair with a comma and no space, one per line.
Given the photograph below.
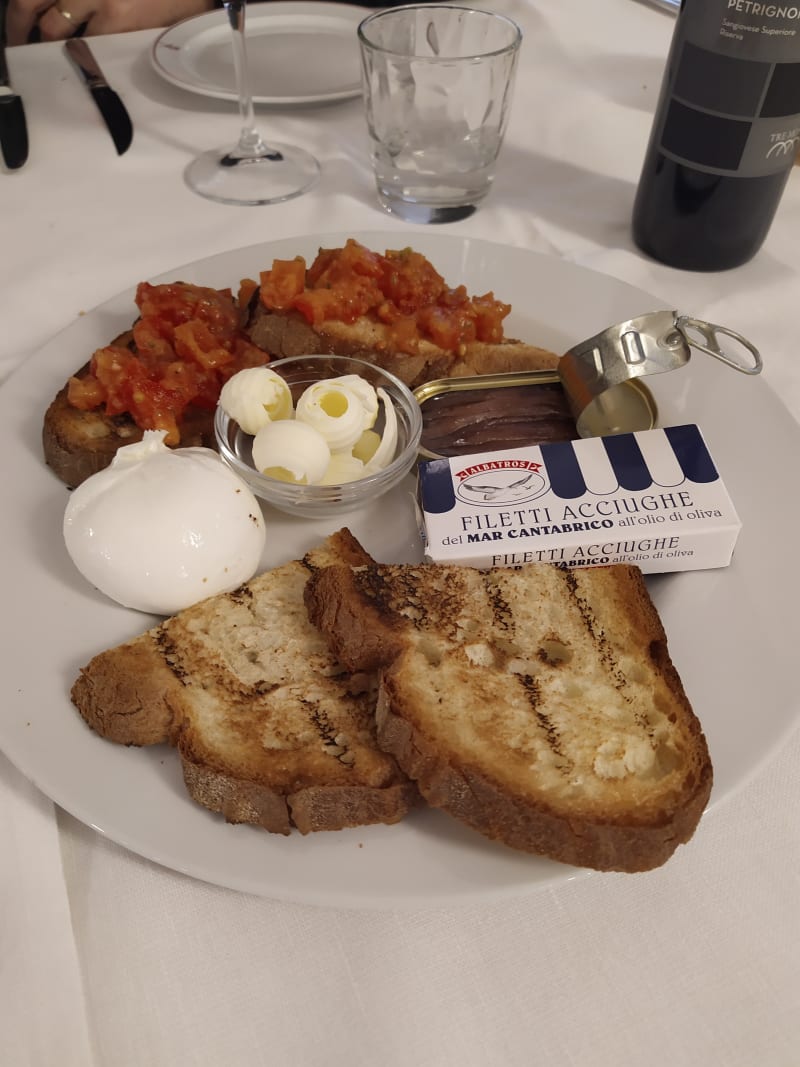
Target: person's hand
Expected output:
[61,19]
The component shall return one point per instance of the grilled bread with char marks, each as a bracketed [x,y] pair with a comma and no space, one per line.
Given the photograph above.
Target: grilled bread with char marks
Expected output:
[269,728]
[539,705]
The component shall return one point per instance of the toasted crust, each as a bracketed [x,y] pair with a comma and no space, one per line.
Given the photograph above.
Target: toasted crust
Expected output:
[270,730]
[77,444]
[131,694]
[537,705]
[289,334]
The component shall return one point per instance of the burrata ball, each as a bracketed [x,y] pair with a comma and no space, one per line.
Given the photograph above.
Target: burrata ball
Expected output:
[162,528]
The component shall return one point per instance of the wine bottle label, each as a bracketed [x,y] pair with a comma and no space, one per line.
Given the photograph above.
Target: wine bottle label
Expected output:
[734,90]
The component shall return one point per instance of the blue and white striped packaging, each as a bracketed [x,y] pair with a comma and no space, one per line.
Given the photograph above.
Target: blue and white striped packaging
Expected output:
[654,498]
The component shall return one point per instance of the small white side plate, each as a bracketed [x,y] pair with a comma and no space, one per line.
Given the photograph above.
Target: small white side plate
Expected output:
[298,53]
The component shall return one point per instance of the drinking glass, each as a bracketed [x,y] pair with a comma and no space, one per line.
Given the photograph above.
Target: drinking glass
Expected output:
[253,171]
[438,80]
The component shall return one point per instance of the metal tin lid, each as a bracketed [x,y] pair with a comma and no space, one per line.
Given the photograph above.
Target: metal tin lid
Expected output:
[594,371]
[602,376]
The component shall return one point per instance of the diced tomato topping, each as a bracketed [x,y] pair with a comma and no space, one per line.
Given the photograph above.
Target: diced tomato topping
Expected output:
[489,317]
[340,265]
[247,286]
[187,343]
[410,281]
[116,370]
[184,379]
[245,354]
[281,284]
[404,333]
[318,306]
[318,269]
[447,328]
[153,339]
[194,340]
[401,289]
[86,394]
[453,298]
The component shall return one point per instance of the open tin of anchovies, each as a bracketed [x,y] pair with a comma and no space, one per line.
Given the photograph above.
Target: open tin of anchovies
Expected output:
[596,389]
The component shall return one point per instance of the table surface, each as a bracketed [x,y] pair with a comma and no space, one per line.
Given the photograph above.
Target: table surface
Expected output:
[108,960]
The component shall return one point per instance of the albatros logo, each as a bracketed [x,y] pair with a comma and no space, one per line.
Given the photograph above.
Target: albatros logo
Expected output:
[499,482]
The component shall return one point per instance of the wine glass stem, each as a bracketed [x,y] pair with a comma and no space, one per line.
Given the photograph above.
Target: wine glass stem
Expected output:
[250,143]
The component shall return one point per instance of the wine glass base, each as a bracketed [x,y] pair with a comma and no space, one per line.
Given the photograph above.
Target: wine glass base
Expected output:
[279,173]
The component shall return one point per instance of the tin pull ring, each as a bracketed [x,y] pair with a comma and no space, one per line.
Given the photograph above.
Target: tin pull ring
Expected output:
[710,333]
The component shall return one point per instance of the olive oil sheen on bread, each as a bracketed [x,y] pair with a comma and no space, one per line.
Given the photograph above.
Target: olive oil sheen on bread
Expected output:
[725,134]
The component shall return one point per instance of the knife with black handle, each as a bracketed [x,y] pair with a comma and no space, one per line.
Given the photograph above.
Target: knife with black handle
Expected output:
[13,128]
[108,102]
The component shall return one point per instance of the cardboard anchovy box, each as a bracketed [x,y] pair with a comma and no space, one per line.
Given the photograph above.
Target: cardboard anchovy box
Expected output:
[654,498]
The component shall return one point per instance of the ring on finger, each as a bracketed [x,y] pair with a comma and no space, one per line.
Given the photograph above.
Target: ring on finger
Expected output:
[74,20]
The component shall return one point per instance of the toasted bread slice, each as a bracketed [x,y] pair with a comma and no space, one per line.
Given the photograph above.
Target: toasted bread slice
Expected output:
[538,705]
[269,728]
[285,334]
[77,444]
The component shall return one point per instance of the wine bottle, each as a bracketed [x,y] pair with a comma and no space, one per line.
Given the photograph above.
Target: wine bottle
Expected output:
[725,134]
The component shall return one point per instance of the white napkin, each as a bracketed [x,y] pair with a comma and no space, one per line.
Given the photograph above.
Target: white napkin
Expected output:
[37,950]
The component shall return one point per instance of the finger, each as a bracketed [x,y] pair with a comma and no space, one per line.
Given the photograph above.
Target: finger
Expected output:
[21,18]
[55,26]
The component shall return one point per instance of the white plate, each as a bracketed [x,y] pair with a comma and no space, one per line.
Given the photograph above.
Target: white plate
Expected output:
[730,630]
[297,53]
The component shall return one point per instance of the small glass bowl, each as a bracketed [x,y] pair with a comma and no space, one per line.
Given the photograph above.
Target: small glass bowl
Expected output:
[316,501]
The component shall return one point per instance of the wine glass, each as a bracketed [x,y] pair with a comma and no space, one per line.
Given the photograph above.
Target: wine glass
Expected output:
[251,172]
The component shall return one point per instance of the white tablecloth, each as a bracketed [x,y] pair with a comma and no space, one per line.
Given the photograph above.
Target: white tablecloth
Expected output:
[108,960]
